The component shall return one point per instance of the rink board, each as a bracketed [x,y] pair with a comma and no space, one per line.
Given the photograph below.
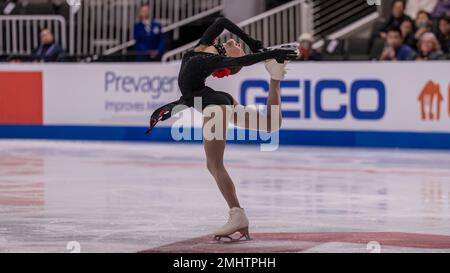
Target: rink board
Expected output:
[332,104]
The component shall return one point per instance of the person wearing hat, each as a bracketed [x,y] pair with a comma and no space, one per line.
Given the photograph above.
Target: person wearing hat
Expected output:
[307,53]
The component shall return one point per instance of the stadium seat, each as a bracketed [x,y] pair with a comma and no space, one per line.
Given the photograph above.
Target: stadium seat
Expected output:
[357,49]
[377,48]
[38,8]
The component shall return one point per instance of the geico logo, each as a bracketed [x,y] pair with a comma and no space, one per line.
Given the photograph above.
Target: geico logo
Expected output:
[145,84]
[311,98]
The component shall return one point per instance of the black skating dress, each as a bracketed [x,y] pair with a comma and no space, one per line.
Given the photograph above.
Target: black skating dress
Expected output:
[197,66]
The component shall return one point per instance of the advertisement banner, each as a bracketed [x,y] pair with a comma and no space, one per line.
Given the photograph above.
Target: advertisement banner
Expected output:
[363,96]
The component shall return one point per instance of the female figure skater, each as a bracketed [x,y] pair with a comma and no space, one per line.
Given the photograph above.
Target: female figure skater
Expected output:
[210,58]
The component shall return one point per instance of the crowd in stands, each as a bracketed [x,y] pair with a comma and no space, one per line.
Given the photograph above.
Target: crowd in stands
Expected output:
[415,30]
[426,36]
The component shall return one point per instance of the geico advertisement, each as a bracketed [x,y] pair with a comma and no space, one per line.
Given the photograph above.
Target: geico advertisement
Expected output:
[354,96]
[322,96]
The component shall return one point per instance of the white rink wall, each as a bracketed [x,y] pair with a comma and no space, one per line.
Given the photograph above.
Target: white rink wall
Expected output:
[405,103]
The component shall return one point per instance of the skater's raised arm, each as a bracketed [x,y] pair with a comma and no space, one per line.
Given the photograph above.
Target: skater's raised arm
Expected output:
[222,24]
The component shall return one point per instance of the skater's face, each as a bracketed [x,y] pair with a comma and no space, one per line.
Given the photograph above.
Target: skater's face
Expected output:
[233,48]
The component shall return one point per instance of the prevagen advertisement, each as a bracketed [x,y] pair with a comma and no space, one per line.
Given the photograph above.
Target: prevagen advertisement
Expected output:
[411,97]
[107,95]
[77,94]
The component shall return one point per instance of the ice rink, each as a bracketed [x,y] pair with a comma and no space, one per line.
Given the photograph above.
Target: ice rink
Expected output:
[132,197]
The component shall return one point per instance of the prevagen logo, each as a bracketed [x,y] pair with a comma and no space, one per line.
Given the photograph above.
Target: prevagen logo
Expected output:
[311,98]
[155,85]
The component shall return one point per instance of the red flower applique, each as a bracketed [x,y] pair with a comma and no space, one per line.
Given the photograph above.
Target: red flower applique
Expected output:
[222,73]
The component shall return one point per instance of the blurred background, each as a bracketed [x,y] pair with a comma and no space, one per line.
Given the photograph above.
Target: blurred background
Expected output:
[161,30]
[372,74]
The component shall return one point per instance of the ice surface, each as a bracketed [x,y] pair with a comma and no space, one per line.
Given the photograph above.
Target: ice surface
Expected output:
[127,197]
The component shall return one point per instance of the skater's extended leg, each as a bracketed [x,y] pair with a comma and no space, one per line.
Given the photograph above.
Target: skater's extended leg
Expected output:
[252,118]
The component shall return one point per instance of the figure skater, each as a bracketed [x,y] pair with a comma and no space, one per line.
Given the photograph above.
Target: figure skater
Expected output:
[220,60]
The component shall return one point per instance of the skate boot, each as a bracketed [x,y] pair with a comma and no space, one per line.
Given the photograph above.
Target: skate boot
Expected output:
[237,222]
[276,70]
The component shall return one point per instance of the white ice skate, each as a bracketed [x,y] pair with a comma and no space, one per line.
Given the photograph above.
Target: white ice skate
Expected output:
[237,222]
[276,70]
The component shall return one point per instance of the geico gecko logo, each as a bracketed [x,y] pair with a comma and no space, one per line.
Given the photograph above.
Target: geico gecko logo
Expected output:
[21,98]
[311,96]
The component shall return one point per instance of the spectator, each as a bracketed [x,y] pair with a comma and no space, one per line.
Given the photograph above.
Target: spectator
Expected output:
[150,43]
[429,48]
[307,53]
[443,33]
[442,9]
[414,6]
[397,17]
[407,29]
[423,23]
[395,50]
[48,50]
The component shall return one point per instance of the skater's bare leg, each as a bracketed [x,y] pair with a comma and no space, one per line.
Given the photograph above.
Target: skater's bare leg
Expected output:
[264,121]
[214,150]
[274,103]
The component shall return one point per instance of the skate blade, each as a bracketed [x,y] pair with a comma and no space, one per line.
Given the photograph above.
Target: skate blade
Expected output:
[288,46]
[230,240]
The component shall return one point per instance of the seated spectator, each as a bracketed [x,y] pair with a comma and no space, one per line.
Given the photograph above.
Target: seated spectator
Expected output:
[429,48]
[423,23]
[150,43]
[443,33]
[414,6]
[395,50]
[397,17]
[48,50]
[442,9]
[307,53]
[408,34]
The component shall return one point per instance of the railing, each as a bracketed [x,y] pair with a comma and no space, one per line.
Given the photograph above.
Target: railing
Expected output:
[100,25]
[19,34]
[166,29]
[277,26]
[333,15]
